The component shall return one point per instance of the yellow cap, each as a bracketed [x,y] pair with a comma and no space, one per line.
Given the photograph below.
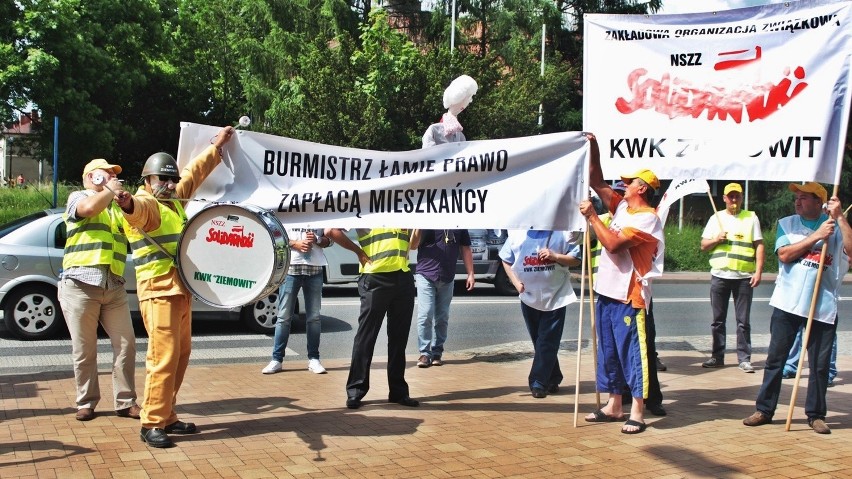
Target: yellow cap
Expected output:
[733,187]
[647,176]
[810,187]
[100,164]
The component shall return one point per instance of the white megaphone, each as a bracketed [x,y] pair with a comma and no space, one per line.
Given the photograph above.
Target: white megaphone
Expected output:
[99,179]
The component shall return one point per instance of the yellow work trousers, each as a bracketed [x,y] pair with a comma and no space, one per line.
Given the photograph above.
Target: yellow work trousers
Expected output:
[168,321]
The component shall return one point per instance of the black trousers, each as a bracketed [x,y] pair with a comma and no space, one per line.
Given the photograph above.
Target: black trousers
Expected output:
[721,290]
[655,396]
[390,294]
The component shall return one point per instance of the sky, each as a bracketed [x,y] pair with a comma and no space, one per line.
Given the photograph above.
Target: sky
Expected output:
[694,6]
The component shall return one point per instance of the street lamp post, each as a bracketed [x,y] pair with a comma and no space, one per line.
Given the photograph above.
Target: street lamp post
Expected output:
[453,29]
[540,105]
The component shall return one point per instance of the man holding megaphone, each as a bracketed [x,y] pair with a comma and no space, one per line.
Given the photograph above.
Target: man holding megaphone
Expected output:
[91,289]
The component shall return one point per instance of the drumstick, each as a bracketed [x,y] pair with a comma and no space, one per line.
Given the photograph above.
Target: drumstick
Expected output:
[189,199]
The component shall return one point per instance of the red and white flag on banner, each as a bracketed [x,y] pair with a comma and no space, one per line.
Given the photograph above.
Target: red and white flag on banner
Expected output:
[679,188]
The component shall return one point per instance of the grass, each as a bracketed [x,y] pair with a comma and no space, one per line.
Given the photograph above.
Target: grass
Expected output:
[18,202]
[683,252]
[682,246]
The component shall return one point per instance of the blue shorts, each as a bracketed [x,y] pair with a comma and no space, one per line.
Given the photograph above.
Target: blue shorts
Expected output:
[622,352]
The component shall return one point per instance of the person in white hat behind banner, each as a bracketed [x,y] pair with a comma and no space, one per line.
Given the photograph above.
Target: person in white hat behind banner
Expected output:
[457,97]
[438,251]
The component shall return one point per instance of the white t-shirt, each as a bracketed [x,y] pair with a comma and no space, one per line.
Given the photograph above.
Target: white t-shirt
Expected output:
[315,257]
[547,286]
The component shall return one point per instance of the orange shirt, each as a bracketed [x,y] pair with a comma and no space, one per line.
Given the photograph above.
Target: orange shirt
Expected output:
[643,253]
[146,216]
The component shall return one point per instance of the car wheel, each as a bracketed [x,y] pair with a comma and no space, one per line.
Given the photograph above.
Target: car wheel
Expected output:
[260,317]
[503,285]
[33,312]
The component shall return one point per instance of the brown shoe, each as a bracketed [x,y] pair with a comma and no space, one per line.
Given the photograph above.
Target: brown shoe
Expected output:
[757,419]
[819,426]
[85,414]
[131,412]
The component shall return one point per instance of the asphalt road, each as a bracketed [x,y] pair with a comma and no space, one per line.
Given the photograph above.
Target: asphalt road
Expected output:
[481,322]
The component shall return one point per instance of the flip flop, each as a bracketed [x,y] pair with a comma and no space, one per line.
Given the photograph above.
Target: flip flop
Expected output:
[600,416]
[631,422]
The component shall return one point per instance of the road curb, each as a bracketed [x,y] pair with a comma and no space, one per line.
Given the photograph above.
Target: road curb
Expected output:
[693,277]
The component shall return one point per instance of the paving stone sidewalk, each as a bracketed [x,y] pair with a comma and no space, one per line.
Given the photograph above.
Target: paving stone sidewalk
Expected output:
[477,420]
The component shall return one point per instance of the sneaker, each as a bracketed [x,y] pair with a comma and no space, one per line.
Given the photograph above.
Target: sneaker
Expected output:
[831,383]
[660,365]
[713,363]
[272,368]
[746,367]
[788,374]
[757,419]
[315,366]
[436,361]
[424,361]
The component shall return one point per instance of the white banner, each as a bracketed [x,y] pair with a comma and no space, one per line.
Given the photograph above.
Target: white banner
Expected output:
[679,188]
[753,93]
[516,183]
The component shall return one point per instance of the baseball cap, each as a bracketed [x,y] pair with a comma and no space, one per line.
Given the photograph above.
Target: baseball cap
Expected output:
[810,187]
[619,186]
[733,187]
[100,164]
[647,176]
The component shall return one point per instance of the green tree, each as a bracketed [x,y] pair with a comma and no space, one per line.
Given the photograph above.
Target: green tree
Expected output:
[83,61]
[121,75]
[13,63]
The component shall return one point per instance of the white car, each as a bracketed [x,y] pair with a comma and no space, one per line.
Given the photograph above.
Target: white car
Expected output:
[31,250]
[487,267]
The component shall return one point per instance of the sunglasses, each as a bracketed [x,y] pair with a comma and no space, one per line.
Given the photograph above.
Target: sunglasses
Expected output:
[165,178]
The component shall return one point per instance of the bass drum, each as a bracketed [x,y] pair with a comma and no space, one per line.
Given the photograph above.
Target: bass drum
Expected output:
[233,255]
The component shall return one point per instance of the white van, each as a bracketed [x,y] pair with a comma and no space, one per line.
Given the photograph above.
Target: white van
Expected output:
[485,246]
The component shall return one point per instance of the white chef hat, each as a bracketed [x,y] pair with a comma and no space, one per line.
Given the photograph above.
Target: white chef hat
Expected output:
[459,91]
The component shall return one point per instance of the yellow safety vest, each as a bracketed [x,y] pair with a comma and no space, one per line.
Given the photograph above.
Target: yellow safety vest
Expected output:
[595,253]
[736,253]
[387,249]
[96,240]
[150,261]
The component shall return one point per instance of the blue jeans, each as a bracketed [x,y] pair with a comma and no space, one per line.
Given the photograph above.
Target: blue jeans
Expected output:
[795,351]
[311,287]
[433,313]
[545,328]
[783,328]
